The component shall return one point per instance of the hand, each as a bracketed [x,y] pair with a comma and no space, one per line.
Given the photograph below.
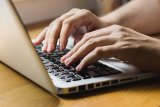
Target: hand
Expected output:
[119,42]
[64,26]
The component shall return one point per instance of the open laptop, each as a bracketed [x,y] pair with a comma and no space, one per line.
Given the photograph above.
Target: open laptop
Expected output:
[18,52]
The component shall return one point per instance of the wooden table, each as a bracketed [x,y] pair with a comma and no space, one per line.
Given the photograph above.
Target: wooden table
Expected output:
[18,91]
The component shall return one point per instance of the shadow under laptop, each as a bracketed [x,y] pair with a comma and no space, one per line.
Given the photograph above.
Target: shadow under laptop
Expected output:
[138,87]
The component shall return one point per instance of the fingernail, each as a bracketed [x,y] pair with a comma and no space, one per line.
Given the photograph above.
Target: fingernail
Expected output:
[43,49]
[50,48]
[78,68]
[63,59]
[33,40]
[67,61]
[61,46]
[43,41]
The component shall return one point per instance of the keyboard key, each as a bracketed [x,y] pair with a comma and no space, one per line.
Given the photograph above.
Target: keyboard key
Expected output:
[114,71]
[67,67]
[104,73]
[60,53]
[69,73]
[91,67]
[84,74]
[64,73]
[57,73]
[49,64]
[67,80]
[52,70]
[57,62]
[76,78]
[42,58]
[93,74]
[45,61]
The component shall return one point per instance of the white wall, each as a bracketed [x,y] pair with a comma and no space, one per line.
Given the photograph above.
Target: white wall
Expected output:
[32,11]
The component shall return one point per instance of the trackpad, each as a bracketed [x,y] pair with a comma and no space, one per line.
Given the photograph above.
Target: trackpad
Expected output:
[120,65]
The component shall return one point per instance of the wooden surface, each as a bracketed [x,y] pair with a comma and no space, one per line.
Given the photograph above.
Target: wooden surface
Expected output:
[18,91]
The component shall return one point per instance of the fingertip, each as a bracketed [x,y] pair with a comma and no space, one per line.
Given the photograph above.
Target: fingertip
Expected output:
[33,40]
[50,48]
[79,68]
[67,62]
[63,42]
[63,59]
[62,47]
[44,48]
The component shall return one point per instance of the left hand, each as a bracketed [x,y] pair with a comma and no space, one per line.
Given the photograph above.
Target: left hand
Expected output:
[119,42]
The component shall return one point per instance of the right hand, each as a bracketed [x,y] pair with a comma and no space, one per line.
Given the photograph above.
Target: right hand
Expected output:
[66,25]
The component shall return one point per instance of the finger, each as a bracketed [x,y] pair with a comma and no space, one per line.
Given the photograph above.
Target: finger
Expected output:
[45,44]
[89,46]
[96,54]
[40,37]
[69,25]
[99,33]
[55,28]
[87,36]
[53,37]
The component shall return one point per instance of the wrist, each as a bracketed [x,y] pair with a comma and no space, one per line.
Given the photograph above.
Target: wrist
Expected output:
[111,18]
[104,23]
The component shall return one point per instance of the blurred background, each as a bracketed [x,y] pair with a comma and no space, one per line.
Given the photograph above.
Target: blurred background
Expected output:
[33,11]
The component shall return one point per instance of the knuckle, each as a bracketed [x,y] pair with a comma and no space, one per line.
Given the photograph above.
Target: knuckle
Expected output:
[75,9]
[74,49]
[118,27]
[50,42]
[91,42]
[115,26]
[67,22]
[98,51]
[123,35]
[86,37]
[58,21]
[121,29]
[85,11]
[46,41]
[84,61]
[124,46]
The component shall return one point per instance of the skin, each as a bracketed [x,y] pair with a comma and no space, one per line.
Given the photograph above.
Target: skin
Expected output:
[113,35]
[119,42]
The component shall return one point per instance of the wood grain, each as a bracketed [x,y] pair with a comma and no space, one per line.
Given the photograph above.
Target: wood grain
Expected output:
[18,91]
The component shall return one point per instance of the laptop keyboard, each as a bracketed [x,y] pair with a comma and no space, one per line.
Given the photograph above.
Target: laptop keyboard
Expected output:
[68,73]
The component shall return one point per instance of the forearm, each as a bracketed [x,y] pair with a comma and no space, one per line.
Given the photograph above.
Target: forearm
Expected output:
[140,15]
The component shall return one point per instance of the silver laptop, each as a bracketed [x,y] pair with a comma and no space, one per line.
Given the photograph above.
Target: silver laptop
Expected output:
[18,52]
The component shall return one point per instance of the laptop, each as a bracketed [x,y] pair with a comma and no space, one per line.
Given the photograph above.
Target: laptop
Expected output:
[18,52]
